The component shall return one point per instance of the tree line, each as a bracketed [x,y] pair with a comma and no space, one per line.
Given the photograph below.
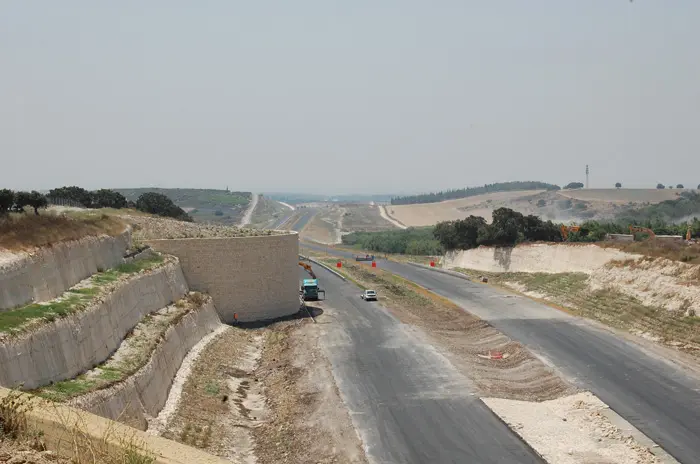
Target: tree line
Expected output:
[148,202]
[509,228]
[472,191]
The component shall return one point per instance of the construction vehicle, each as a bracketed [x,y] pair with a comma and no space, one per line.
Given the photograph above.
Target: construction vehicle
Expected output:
[644,230]
[566,229]
[309,289]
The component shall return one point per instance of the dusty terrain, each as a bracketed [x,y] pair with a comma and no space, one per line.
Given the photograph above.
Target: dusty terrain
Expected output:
[269,214]
[266,395]
[548,427]
[146,227]
[334,220]
[622,195]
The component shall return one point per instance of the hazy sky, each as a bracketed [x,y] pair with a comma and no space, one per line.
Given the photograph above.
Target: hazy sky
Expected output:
[348,96]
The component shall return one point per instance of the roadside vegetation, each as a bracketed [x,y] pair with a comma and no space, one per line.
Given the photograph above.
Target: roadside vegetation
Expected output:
[411,241]
[21,442]
[472,191]
[78,298]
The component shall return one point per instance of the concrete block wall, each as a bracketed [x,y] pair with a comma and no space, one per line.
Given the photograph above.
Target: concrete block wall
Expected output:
[46,273]
[145,393]
[253,277]
[67,347]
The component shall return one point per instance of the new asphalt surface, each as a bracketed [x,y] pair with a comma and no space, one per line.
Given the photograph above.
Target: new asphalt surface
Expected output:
[406,400]
[658,397]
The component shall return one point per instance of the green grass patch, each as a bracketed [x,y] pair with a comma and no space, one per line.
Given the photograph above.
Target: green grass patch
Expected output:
[72,300]
[63,391]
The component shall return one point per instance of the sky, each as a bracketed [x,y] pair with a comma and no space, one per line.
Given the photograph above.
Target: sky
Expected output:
[360,96]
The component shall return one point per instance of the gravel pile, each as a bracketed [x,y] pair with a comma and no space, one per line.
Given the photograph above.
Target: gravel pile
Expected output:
[146,228]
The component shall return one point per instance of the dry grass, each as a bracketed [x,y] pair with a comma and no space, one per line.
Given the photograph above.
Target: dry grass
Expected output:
[115,446]
[20,232]
[675,251]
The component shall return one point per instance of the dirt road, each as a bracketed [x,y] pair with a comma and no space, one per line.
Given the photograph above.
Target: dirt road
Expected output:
[249,212]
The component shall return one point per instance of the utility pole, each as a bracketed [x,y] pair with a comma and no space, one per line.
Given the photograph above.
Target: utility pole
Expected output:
[586,176]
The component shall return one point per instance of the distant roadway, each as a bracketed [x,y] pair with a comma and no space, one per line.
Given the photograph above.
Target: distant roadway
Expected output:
[651,393]
[407,402]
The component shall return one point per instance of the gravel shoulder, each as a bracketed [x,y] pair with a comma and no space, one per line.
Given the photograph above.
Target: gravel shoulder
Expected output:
[549,427]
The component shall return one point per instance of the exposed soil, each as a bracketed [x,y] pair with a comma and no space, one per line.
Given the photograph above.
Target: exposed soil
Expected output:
[146,227]
[266,395]
[469,341]
[307,420]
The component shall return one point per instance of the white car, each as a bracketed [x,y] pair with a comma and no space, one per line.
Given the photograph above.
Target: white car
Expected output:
[369,295]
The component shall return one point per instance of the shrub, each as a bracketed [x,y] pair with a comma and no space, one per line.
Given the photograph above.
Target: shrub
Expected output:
[75,193]
[660,186]
[106,198]
[157,203]
[22,199]
[542,203]
[573,185]
[36,200]
[618,185]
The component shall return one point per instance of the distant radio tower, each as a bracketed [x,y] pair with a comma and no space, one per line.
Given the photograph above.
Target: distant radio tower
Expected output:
[586,176]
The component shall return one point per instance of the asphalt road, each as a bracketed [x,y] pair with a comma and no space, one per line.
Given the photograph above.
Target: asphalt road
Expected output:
[654,395]
[304,219]
[406,400]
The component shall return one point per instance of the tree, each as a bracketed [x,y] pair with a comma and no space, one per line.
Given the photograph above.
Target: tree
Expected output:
[36,200]
[22,199]
[573,185]
[74,193]
[618,185]
[660,186]
[7,199]
[157,203]
[106,198]
[679,186]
